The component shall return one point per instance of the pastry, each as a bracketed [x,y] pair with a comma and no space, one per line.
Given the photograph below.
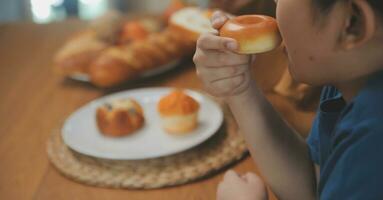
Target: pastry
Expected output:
[120,117]
[78,53]
[121,63]
[112,52]
[192,22]
[254,33]
[178,112]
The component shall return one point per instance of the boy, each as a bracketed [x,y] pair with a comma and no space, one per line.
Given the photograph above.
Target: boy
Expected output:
[336,43]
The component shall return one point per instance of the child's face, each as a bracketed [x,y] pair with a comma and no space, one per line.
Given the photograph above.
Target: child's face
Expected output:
[310,42]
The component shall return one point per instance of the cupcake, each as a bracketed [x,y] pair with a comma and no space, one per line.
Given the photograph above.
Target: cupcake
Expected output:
[120,117]
[179,112]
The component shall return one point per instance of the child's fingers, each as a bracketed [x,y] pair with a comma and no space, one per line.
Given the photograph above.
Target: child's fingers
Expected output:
[230,175]
[218,19]
[243,176]
[251,177]
[208,41]
[213,58]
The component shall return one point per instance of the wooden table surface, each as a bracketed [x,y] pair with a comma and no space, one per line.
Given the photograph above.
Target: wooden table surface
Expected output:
[34,101]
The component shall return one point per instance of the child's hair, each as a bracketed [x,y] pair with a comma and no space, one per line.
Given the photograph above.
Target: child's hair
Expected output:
[325,5]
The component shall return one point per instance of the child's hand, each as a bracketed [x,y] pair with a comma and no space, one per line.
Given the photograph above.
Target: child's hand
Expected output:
[245,187]
[223,72]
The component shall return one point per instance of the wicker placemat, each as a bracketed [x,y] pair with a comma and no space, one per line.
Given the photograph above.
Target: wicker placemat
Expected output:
[224,148]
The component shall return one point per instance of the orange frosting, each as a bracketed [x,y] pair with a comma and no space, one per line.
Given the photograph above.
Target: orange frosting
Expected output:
[177,103]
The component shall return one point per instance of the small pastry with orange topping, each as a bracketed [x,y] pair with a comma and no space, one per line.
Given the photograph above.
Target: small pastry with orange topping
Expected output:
[179,112]
[120,117]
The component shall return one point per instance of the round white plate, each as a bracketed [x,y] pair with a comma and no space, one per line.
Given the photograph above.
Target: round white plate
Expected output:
[147,74]
[80,130]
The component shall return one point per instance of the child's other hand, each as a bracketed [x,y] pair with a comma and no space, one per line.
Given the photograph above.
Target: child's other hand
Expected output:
[245,187]
[223,72]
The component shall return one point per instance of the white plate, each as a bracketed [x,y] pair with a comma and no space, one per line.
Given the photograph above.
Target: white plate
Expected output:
[149,73]
[80,130]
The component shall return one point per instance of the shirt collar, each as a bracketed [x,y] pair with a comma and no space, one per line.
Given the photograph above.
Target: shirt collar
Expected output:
[337,104]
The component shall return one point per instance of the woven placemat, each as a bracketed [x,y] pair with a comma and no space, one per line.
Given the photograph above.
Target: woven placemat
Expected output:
[224,148]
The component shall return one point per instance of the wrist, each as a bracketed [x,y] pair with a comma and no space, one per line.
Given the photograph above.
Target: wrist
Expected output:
[246,93]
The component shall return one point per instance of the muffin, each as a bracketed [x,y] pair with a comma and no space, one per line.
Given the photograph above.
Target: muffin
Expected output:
[179,112]
[120,117]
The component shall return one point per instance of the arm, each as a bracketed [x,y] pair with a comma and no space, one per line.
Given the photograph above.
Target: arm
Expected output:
[281,154]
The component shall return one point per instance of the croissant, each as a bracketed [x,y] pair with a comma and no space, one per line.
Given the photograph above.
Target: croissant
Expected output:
[120,63]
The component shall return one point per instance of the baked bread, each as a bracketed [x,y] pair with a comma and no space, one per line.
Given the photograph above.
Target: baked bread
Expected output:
[78,52]
[179,112]
[254,33]
[111,52]
[120,117]
[121,63]
[192,22]
[173,7]
[82,48]
[108,26]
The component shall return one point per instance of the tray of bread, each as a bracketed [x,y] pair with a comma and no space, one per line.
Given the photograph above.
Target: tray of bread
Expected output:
[142,123]
[114,49]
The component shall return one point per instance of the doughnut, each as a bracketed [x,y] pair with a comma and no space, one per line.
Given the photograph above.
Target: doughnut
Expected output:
[254,33]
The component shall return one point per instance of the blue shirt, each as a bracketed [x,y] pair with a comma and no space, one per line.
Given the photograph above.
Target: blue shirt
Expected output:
[346,140]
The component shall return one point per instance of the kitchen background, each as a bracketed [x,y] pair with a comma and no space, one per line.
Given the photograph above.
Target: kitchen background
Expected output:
[45,11]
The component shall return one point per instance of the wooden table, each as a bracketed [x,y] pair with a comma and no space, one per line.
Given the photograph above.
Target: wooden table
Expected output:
[34,101]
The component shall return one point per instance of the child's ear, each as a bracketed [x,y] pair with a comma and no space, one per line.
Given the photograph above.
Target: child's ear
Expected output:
[360,24]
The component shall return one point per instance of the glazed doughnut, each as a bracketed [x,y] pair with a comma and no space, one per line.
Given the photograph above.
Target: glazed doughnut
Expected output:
[254,33]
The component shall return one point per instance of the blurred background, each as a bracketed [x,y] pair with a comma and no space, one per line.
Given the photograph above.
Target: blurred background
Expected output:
[45,11]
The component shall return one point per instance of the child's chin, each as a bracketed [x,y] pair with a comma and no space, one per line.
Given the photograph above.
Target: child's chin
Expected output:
[301,76]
